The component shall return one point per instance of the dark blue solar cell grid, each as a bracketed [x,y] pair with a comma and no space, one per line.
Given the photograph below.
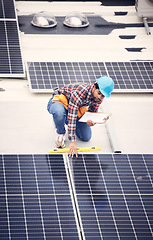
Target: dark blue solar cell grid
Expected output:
[96,216]
[4,232]
[16,217]
[148,206]
[10,57]
[7,9]
[44,76]
[48,75]
[38,172]
[56,166]
[11,63]
[113,174]
[131,75]
[142,221]
[10,36]
[114,194]
[35,201]
[2,185]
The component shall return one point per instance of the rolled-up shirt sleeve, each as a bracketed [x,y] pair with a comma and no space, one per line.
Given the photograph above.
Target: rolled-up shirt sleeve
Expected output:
[73,107]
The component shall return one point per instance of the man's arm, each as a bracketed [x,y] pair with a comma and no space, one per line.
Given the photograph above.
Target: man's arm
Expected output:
[73,106]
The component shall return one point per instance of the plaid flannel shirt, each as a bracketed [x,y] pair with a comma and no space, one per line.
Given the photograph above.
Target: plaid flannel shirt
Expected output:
[78,95]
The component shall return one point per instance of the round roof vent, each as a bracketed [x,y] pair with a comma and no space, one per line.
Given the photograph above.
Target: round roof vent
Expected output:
[76,19]
[44,20]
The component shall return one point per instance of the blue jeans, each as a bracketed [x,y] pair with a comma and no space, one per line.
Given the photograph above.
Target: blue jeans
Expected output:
[83,131]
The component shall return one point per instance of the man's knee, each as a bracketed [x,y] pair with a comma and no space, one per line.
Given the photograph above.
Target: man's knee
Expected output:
[84,132]
[86,137]
[57,109]
[58,115]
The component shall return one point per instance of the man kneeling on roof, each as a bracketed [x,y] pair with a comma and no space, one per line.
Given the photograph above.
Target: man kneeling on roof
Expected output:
[70,103]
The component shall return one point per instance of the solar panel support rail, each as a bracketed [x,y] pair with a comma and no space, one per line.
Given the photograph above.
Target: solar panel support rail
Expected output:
[69,171]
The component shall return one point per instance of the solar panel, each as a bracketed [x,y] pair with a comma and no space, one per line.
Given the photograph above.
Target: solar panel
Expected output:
[127,76]
[35,200]
[11,63]
[7,9]
[112,198]
[45,76]
[131,75]
[115,195]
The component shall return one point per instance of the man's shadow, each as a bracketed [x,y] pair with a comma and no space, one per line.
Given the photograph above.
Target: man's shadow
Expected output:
[87,171]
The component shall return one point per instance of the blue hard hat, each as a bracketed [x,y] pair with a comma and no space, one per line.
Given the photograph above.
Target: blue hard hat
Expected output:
[106,85]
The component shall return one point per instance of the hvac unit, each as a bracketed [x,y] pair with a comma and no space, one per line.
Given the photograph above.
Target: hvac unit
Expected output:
[144,8]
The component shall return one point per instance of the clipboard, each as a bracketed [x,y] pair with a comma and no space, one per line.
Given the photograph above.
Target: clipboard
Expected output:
[96,117]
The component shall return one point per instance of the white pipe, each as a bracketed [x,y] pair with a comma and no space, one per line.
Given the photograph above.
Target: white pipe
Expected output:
[146,26]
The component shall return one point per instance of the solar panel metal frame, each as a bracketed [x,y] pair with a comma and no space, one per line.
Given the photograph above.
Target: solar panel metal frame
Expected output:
[11,64]
[39,75]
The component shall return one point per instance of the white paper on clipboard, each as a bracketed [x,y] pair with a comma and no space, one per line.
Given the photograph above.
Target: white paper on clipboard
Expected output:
[97,117]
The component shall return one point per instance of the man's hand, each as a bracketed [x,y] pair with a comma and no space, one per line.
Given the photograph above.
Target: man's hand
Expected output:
[90,123]
[73,150]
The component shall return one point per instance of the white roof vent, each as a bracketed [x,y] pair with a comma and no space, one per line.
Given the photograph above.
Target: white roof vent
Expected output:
[44,20]
[76,19]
